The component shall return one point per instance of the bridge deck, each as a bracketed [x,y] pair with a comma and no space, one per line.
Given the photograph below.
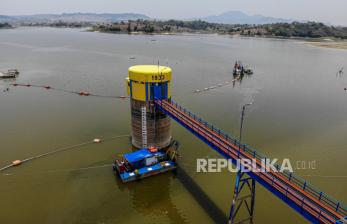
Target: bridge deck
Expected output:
[313,204]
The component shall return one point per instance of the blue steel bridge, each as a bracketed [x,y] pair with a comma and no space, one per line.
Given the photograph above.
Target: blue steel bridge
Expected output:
[307,200]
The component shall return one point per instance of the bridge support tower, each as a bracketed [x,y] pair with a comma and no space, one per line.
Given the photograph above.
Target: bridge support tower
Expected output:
[244,197]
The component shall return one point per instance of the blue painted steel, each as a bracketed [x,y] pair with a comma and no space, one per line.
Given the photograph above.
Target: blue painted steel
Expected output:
[165,90]
[141,154]
[155,167]
[131,88]
[342,221]
[268,186]
[146,86]
[236,191]
[240,184]
[159,90]
[148,171]
[151,90]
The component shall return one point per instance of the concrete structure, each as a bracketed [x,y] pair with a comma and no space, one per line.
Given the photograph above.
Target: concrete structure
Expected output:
[150,126]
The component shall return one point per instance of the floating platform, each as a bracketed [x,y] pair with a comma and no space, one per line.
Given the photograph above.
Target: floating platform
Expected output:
[142,163]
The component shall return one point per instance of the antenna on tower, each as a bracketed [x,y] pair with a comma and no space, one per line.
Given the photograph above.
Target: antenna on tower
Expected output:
[158,66]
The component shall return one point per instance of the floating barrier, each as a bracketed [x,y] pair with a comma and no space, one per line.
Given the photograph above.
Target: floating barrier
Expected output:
[84,94]
[81,93]
[61,170]
[97,140]
[71,147]
[16,163]
[226,83]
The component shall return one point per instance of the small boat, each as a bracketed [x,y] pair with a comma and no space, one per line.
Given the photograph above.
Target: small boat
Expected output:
[11,73]
[248,70]
[143,163]
[341,71]
[238,68]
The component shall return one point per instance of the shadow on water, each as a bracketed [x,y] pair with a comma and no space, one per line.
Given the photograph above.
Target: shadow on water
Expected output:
[216,214]
[148,198]
[151,197]
[238,78]
[4,84]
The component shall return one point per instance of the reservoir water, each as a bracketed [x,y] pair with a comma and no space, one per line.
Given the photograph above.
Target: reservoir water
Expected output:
[299,112]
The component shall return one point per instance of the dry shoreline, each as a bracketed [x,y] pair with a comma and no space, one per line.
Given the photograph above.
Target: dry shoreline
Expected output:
[329,44]
[326,43]
[319,42]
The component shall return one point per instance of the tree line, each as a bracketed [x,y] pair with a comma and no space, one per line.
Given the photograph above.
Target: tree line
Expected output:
[286,30]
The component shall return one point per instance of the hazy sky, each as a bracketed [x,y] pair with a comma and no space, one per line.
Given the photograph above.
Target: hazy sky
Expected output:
[331,11]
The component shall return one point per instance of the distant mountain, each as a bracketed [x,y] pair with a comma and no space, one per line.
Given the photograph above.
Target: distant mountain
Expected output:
[231,17]
[5,19]
[238,17]
[73,17]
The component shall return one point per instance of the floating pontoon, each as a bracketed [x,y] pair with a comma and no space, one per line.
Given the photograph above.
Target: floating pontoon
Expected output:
[143,163]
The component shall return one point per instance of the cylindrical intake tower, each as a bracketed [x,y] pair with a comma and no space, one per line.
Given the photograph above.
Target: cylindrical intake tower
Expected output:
[149,126]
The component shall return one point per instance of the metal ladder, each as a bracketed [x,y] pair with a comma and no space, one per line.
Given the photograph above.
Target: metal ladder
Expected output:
[144,126]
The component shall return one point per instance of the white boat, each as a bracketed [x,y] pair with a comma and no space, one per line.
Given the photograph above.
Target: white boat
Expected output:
[11,73]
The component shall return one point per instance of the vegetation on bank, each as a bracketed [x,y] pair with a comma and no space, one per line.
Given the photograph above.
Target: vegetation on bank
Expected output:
[286,30]
[309,29]
[58,24]
[5,26]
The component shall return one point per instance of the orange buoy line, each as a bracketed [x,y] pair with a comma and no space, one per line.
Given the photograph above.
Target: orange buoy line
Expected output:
[219,85]
[71,147]
[81,93]
[16,162]
[63,170]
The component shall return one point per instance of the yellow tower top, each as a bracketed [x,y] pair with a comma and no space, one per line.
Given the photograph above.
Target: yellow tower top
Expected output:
[149,82]
[150,73]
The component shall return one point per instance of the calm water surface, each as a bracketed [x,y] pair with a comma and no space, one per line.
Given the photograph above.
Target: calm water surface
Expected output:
[299,112]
